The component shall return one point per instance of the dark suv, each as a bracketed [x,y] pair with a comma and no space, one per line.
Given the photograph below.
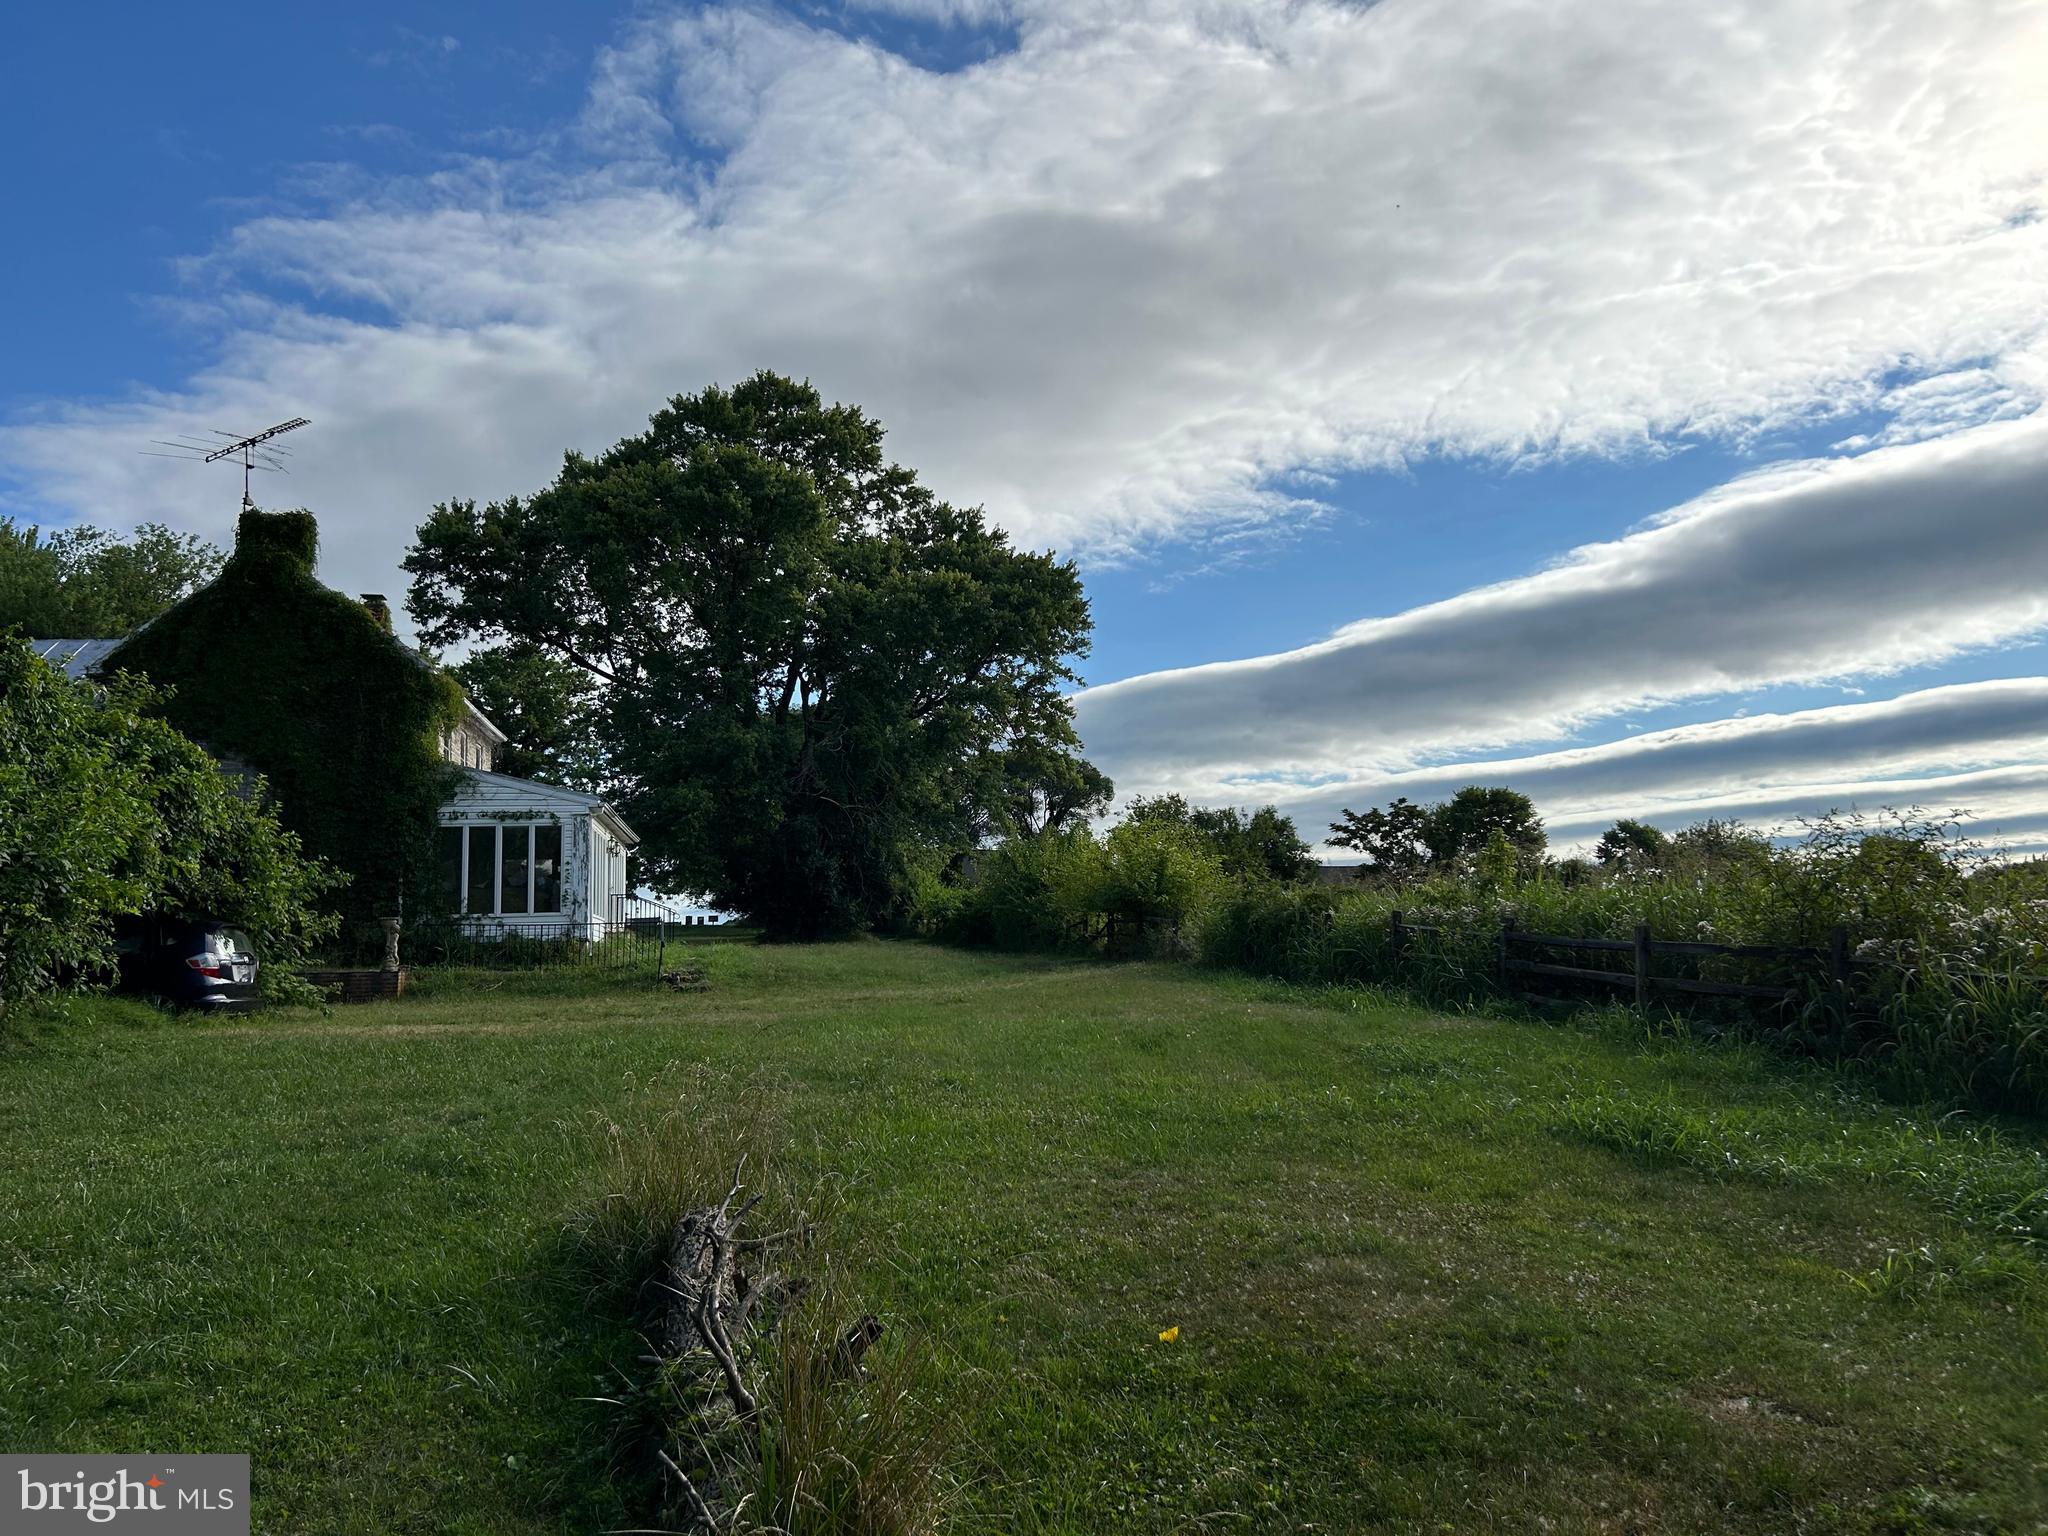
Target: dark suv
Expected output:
[190,962]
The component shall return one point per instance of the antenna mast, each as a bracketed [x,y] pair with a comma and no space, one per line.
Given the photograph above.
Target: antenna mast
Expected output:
[256,451]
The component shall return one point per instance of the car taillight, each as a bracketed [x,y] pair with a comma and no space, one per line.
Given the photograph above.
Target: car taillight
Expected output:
[215,966]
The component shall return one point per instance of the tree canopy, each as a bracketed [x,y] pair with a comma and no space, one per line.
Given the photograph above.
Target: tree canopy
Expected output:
[812,673]
[1261,844]
[1717,844]
[1405,840]
[1633,844]
[1464,824]
[547,708]
[1039,786]
[1392,839]
[88,583]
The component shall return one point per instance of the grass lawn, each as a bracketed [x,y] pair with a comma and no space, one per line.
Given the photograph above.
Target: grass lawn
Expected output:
[1429,1273]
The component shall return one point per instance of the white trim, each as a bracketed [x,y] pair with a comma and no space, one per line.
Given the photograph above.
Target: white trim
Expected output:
[479,717]
[504,792]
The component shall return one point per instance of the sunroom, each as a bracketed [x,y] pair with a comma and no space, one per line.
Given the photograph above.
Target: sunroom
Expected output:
[517,857]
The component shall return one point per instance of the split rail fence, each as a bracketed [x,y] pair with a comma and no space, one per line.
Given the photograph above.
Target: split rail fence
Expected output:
[1512,959]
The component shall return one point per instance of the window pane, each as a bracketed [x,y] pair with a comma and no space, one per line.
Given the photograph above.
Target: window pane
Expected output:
[513,891]
[547,869]
[448,856]
[483,868]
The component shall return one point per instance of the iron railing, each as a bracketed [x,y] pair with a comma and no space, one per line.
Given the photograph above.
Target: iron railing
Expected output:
[634,934]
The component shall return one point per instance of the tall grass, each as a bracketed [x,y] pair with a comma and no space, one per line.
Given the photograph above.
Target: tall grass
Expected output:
[1942,1026]
[1992,1186]
[1982,1035]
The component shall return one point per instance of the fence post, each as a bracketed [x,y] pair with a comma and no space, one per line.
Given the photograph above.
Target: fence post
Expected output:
[1399,938]
[1507,932]
[1643,967]
[1838,958]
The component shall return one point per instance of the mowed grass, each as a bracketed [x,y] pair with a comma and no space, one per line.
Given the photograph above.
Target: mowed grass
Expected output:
[1430,1273]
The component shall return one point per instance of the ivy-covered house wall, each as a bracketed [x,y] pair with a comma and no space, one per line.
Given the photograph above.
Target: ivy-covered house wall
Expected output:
[310,689]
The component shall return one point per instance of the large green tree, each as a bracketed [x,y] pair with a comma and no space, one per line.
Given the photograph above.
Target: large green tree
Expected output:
[1039,786]
[547,708]
[1391,839]
[1462,826]
[811,669]
[1633,845]
[1406,840]
[87,582]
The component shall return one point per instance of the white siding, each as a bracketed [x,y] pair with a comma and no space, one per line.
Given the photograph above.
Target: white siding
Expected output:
[467,746]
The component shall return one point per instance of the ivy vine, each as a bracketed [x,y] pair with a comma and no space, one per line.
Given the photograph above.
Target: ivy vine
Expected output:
[312,690]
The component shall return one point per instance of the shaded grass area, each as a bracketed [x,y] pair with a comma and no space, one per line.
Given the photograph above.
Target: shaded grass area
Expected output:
[1429,1272]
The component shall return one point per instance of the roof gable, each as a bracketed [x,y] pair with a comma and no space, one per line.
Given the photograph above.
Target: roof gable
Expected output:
[482,791]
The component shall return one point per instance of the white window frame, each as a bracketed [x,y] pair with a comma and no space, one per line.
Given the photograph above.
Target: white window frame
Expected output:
[497,828]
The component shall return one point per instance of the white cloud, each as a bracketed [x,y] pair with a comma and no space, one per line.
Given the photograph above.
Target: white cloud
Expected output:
[1836,568]
[963,12]
[1944,403]
[1113,281]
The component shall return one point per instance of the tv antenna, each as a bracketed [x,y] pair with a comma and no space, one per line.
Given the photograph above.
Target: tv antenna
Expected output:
[256,451]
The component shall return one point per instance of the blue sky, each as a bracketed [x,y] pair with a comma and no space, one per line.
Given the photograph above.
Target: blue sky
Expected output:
[139,157]
[1420,395]
[135,159]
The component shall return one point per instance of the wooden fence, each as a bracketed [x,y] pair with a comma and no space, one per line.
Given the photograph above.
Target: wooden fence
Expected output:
[1116,931]
[1641,978]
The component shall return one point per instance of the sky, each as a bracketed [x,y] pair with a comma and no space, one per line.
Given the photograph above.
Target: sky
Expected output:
[1639,405]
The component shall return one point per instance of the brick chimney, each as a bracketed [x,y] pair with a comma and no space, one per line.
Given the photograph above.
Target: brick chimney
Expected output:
[380,609]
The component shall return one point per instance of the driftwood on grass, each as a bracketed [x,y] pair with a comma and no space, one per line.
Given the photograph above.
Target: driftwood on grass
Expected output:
[711,1311]
[709,1299]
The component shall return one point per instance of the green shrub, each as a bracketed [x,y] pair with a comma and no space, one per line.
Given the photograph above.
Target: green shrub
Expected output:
[106,811]
[1027,893]
[1281,931]
[1142,888]
[1153,880]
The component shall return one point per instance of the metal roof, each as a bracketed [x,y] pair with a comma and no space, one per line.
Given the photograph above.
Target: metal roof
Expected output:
[74,658]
